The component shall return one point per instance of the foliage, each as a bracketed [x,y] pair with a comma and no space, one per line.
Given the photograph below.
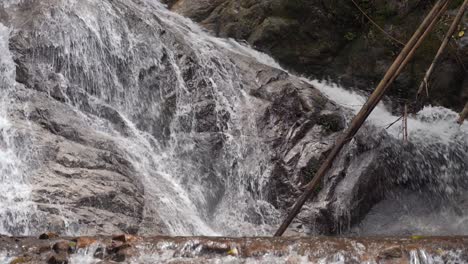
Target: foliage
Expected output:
[350,36]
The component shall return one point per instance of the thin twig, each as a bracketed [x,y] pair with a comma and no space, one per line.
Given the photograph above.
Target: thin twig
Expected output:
[444,44]
[375,24]
[389,126]
[463,114]
[405,124]
[457,55]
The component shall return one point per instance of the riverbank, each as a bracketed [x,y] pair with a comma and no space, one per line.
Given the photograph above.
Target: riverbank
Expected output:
[134,249]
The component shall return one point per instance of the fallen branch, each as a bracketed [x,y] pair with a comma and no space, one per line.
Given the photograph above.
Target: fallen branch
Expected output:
[405,124]
[394,122]
[445,42]
[377,25]
[397,66]
[463,115]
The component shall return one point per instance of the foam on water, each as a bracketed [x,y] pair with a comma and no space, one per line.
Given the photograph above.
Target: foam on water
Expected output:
[438,123]
[5,258]
[436,203]
[192,252]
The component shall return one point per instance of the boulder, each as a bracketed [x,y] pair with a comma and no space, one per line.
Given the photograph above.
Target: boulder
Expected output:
[133,127]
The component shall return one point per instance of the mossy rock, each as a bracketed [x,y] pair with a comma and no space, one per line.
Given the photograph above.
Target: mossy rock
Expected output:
[331,122]
[20,260]
[310,170]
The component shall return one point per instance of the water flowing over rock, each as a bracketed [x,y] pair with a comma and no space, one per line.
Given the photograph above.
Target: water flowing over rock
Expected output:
[118,116]
[137,123]
[235,250]
[334,39]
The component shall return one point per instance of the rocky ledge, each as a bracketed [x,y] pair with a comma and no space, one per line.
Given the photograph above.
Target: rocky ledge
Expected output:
[334,39]
[50,248]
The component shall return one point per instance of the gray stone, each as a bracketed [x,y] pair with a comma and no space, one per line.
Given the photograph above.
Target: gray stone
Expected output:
[333,39]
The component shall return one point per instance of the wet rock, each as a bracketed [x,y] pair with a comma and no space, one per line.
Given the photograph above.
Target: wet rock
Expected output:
[120,252]
[84,242]
[333,39]
[99,253]
[331,122]
[95,120]
[391,253]
[48,235]
[20,260]
[61,258]
[125,238]
[63,246]
[85,174]
[315,250]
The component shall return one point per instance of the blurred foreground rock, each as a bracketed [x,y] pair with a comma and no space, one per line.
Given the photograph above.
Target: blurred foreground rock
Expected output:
[414,249]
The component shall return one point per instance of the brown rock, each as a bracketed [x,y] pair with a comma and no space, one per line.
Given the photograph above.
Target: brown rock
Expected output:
[119,251]
[115,244]
[463,115]
[19,260]
[43,248]
[48,235]
[83,242]
[391,253]
[61,258]
[62,246]
[125,238]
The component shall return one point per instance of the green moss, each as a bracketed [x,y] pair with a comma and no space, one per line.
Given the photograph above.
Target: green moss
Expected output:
[320,102]
[350,36]
[311,169]
[455,4]
[384,14]
[290,9]
[318,188]
[19,260]
[331,122]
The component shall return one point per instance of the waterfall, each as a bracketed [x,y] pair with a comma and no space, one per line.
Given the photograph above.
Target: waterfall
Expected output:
[169,102]
[16,208]
[434,164]
[193,189]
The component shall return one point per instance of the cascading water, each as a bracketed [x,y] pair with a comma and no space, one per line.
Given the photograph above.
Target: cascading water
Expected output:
[16,208]
[432,169]
[172,101]
[192,188]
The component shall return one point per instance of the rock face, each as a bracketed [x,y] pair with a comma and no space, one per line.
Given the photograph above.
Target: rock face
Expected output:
[127,124]
[82,179]
[127,118]
[334,39]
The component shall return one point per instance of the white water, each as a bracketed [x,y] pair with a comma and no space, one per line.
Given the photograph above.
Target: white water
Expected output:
[16,208]
[181,199]
[433,129]
[438,208]
[164,252]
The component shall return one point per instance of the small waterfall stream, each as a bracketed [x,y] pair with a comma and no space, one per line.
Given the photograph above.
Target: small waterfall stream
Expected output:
[163,129]
[435,163]
[16,208]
